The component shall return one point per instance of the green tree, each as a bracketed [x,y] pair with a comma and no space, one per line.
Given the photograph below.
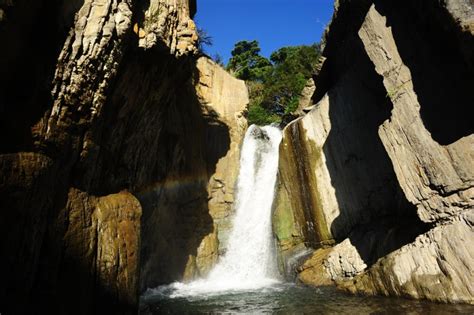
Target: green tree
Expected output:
[256,113]
[274,87]
[278,57]
[293,66]
[246,62]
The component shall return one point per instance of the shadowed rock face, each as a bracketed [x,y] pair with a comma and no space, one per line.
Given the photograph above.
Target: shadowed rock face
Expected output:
[384,161]
[120,153]
[35,33]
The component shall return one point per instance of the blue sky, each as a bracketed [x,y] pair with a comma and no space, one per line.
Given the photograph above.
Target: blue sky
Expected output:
[274,23]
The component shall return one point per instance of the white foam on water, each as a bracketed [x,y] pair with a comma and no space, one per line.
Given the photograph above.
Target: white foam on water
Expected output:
[249,263]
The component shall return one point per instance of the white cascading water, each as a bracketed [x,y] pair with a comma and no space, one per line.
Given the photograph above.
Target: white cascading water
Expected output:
[249,262]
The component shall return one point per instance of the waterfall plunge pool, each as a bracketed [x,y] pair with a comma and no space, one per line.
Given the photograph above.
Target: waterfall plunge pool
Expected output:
[246,280]
[288,298]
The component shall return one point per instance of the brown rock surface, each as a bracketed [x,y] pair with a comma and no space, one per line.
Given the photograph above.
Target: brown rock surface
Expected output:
[168,22]
[227,98]
[389,151]
[312,271]
[104,232]
[190,218]
[106,167]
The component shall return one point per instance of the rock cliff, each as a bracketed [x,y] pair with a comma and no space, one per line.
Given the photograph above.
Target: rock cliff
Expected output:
[119,148]
[378,176]
[114,138]
[188,211]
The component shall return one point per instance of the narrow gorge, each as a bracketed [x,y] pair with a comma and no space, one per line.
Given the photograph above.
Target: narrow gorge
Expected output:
[120,153]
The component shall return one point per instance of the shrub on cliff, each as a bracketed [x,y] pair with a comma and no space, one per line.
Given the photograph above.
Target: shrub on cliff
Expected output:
[293,66]
[256,113]
[274,85]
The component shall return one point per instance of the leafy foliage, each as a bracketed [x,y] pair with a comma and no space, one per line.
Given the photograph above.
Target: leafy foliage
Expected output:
[257,114]
[293,66]
[275,85]
[247,64]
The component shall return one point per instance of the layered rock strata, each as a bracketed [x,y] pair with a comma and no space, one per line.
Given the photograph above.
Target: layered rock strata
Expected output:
[384,161]
[114,138]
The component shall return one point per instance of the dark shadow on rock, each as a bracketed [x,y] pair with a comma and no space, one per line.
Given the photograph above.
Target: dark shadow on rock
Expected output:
[31,38]
[157,141]
[176,214]
[26,186]
[349,18]
[70,285]
[374,213]
[438,55]
[40,273]
[153,139]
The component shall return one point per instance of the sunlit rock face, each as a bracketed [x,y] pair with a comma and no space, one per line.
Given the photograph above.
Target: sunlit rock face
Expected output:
[187,213]
[383,165]
[226,98]
[114,141]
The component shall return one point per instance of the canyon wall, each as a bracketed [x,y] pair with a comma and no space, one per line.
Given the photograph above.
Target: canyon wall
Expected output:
[119,149]
[114,138]
[186,214]
[378,176]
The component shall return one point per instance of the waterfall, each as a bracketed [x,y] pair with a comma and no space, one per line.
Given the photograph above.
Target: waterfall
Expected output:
[249,259]
[249,262]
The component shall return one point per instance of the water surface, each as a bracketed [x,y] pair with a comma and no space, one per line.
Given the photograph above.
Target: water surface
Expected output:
[246,280]
[289,299]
